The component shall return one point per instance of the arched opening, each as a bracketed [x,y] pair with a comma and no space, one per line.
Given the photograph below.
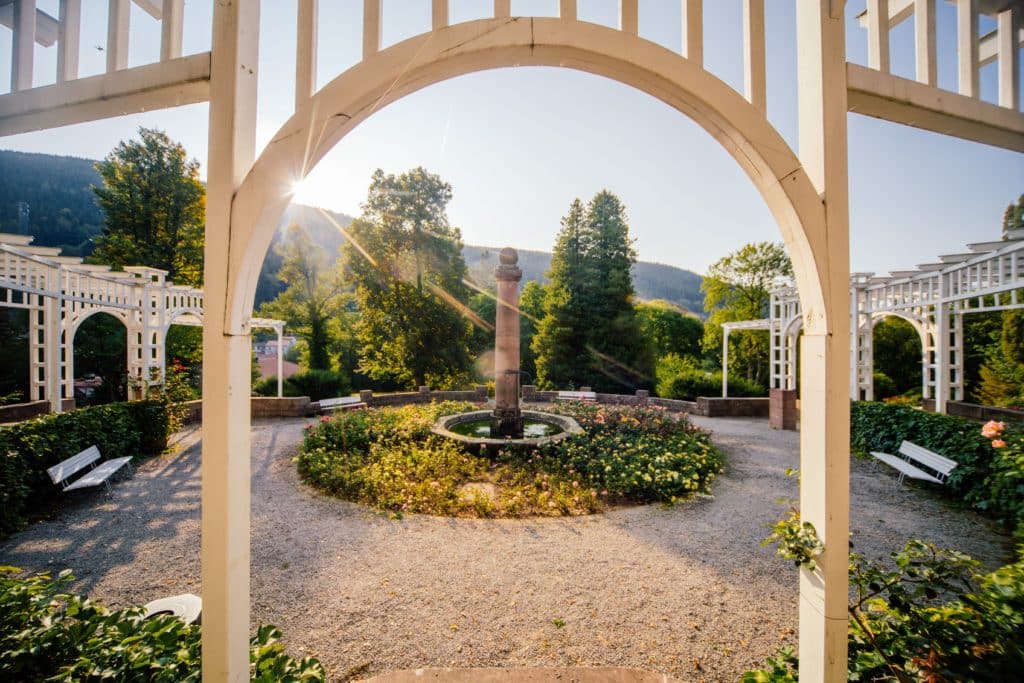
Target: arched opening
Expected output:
[14,356]
[100,360]
[819,260]
[897,351]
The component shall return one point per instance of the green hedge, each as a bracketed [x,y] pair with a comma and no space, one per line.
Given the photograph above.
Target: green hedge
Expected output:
[27,449]
[986,478]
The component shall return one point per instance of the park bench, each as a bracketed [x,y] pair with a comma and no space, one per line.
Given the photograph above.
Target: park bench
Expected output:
[576,396]
[62,472]
[913,459]
[340,403]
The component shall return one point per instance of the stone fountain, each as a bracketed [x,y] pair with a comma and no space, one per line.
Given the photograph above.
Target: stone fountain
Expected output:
[507,425]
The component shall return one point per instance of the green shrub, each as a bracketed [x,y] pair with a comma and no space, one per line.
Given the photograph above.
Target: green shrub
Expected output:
[265,387]
[389,459]
[884,387]
[317,384]
[28,448]
[46,634]
[683,379]
[928,615]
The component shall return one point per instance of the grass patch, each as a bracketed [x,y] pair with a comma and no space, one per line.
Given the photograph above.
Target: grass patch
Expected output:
[387,458]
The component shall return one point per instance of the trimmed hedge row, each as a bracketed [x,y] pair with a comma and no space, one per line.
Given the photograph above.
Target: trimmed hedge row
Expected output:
[27,449]
[980,478]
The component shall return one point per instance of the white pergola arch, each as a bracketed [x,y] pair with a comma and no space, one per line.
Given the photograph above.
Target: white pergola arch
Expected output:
[934,298]
[808,196]
[62,292]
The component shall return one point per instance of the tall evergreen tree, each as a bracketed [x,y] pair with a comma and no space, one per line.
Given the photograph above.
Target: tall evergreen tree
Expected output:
[589,334]
[406,261]
[154,208]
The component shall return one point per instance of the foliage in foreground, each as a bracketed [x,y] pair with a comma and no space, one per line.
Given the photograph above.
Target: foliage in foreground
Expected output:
[387,458]
[28,448]
[47,634]
[928,615]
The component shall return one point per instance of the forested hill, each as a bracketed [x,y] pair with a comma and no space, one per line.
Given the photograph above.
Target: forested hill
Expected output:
[61,207]
[62,213]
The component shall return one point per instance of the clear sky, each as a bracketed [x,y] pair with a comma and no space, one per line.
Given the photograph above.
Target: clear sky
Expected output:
[518,145]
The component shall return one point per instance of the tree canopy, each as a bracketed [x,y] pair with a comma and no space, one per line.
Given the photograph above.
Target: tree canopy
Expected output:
[738,287]
[589,335]
[153,205]
[313,302]
[406,261]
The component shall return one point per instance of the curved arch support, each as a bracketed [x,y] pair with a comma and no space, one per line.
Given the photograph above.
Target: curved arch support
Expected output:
[493,43]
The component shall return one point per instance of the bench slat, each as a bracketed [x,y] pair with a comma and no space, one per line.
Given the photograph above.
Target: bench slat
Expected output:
[937,462]
[76,463]
[905,467]
[99,475]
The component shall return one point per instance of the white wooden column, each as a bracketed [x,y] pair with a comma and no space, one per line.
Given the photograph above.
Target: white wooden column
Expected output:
[567,9]
[439,14]
[371,27]
[68,34]
[305,51]
[53,351]
[171,23]
[23,44]
[941,356]
[693,30]
[629,17]
[1009,58]
[878,35]
[118,22]
[725,362]
[502,9]
[226,352]
[967,46]
[754,81]
[280,361]
[825,353]
[956,362]
[924,42]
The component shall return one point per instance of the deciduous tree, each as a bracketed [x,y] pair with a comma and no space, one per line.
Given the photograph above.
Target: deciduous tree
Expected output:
[154,208]
[406,261]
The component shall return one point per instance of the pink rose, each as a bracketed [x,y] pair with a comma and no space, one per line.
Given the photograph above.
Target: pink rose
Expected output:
[992,429]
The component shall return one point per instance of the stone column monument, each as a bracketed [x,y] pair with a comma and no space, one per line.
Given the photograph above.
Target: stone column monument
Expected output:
[507,421]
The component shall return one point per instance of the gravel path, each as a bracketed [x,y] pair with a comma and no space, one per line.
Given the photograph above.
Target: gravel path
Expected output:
[687,591]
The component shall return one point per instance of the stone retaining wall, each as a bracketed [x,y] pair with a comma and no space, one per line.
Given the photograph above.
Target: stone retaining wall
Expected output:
[18,412]
[705,406]
[975,411]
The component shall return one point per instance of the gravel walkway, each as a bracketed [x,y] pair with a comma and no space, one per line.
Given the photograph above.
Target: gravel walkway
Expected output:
[687,591]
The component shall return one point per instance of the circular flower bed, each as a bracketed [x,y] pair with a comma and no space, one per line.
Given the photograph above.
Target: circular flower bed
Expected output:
[387,458]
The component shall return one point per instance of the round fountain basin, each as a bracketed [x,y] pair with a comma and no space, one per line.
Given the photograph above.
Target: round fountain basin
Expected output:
[473,429]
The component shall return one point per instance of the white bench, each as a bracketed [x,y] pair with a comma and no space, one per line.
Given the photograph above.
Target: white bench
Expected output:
[340,403]
[62,472]
[576,396]
[914,456]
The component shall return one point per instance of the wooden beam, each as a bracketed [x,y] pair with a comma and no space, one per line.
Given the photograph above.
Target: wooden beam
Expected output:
[878,35]
[371,27]
[629,17]
[142,88]
[924,42]
[1009,58]
[118,23]
[46,26]
[754,70]
[567,9]
[988,49]
[967,46]
[305,51]
[502,9]
[171,24]
[439,14]
[69,33]
[693,31]
[901,100]
[153,8]
[23,44]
